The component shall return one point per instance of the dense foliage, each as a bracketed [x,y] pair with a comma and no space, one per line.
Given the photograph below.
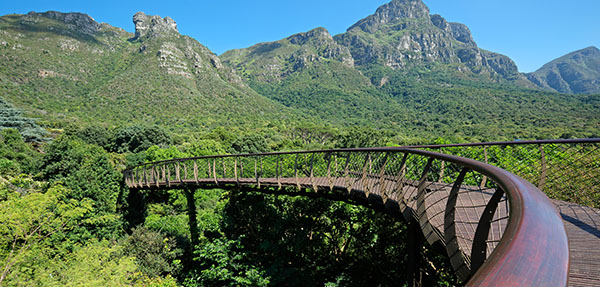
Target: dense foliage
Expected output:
[82,227]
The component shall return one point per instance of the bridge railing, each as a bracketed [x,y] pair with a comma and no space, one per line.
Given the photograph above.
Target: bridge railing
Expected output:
[567,169]
[497,228]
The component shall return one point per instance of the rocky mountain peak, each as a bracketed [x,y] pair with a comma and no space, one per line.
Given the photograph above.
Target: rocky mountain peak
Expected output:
[153,25]
[77,21]
[393,12]
[577,72]
[587,52]
[317,33]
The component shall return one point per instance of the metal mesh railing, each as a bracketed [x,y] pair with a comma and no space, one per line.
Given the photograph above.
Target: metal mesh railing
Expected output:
[567,170]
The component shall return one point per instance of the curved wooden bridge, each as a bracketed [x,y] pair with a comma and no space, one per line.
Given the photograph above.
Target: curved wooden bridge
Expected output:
[497,228]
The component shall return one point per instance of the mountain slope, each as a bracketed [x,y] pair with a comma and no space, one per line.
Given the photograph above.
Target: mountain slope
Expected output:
[577,72]
[65,67]
[414,73]
[311,72]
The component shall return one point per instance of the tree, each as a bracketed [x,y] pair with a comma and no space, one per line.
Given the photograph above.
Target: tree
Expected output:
[16,156]
[88,173]
[30,220]
[250,143]
[11,118]
[139,138]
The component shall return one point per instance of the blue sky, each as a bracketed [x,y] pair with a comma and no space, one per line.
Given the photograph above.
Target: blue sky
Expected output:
[531,32]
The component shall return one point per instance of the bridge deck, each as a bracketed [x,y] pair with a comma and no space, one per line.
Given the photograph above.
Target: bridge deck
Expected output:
[583,229]
[582,224]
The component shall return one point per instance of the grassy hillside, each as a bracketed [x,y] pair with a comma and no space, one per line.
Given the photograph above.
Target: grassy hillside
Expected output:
[55,72]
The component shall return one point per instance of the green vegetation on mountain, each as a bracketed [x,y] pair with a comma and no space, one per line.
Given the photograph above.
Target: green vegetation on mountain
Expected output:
[416,75]
[577,72]
[84,72]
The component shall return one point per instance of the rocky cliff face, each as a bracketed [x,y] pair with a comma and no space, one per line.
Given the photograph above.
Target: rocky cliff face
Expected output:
[402,34]
[577,72]
[76,21]
[275,61]
[391,13]
[176,54]
[153,26]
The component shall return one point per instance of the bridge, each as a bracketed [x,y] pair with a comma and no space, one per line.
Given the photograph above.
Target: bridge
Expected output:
[497,228]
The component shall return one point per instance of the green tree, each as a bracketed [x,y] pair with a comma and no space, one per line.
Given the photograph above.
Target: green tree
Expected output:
[155,254]
[250,143]
[32,222]
[88,173]
[139,138]
[222,263]
[16,156]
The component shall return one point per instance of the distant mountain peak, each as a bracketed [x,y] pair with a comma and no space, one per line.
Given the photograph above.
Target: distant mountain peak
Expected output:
[80,21]
[392,12]
[589,51]
[317,33]
[577,72]
[153,25]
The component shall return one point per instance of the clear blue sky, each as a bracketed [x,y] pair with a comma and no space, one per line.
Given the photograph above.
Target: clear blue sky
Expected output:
[531,32]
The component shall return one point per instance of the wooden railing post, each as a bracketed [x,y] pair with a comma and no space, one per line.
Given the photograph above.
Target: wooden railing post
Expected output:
[235,170]
[382,178]
[195,171]
[330,179]
[214,167]
[422,217]
[312,176]
[346,172]
[277,173]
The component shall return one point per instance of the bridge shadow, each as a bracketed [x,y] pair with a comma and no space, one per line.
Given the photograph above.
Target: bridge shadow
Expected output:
[593,230]
[585,218]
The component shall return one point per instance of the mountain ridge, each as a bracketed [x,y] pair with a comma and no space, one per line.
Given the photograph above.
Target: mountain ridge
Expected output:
[577,72]
[67,67]
[54,71]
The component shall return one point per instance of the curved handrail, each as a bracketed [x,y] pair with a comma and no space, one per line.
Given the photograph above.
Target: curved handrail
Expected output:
[530,247]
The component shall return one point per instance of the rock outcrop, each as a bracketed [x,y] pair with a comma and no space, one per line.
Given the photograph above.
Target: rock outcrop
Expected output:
[392,12]
[402,34]
[274,61]
[153,26]
[76,21]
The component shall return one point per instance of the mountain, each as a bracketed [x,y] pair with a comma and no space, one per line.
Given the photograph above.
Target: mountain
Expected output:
[313,73]
[411,72]
[575,73]
[402,33]
[410,78]
[66,67]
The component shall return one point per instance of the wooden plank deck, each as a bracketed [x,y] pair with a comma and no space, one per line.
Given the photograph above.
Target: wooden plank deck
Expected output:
[583,230]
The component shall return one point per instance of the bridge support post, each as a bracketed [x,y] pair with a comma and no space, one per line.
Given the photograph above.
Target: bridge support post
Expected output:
[414,244]
[192,218]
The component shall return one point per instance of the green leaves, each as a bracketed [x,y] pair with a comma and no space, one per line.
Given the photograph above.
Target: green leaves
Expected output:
[222,263]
